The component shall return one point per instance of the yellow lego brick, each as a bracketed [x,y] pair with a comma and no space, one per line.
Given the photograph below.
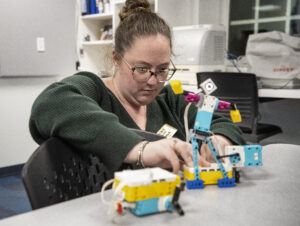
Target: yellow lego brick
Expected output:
[188,175]
[213,176]
[153,189]
[176,86]
[208,177]
[235,116]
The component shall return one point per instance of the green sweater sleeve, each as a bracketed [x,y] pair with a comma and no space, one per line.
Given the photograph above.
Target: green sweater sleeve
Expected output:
[71,110]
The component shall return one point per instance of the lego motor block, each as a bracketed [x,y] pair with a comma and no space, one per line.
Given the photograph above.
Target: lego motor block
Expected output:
[148,191]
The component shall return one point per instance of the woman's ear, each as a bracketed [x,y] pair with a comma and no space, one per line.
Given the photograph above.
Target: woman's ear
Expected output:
[116,59]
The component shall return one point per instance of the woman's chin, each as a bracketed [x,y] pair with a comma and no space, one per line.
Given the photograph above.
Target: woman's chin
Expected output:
[145,100]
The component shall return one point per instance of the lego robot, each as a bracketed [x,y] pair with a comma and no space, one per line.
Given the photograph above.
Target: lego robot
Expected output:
[145,191]
[224,171]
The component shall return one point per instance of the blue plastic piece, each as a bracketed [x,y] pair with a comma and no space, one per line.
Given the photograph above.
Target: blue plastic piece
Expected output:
[203,121]
[253,155]
[235,159]
[215,153]
[150,206]
[226,182]
[217,103]
[195,146]
[194,184]
[147,206]
[168,204]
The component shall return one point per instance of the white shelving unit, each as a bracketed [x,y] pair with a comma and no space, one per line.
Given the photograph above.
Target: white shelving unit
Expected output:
[97,43]
[95,54]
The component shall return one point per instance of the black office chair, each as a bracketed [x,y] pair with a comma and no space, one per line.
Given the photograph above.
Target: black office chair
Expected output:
[241,89]
[55,172]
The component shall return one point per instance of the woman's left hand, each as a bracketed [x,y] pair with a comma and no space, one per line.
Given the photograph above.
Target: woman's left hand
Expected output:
[219,143]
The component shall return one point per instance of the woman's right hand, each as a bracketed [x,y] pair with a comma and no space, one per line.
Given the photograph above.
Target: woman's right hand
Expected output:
[165,153]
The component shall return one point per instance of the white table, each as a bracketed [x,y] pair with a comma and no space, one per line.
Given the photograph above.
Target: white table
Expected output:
[268,195]
[266,93]
[279,93]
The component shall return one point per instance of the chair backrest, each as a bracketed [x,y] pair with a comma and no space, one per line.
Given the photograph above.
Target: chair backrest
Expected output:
[55,173]
[238,88]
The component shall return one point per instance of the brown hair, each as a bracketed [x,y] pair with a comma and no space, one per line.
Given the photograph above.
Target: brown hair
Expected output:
[137,20]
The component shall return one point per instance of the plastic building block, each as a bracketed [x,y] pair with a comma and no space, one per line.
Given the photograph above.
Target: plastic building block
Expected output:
[147,191]
[146,183]
[205,113]
[150,206]
[215,154]
[223,105]
[226,182]
[253,155]
[235,158]
[208,86]
[192,98]
[176,86]
[235,116]
[194,184]
[248,155]
[209,175]
[195,147]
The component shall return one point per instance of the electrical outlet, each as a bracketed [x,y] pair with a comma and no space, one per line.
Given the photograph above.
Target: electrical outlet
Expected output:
[40,42]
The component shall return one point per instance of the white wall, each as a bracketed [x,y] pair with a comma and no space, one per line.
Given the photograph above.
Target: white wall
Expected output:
[16,98]
[22,22]
[21,66]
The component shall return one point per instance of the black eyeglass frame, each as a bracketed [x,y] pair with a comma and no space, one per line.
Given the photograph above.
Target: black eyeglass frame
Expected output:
[169,76]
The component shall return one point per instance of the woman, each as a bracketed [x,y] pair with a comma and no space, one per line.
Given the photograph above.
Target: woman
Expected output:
[93,115]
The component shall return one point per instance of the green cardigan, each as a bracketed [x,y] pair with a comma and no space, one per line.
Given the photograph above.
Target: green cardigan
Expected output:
[85,114]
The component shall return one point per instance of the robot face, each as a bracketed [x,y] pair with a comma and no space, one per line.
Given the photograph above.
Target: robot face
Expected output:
[208,86]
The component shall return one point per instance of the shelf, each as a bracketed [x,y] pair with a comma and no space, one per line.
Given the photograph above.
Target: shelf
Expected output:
[98,43]
[123,2]
[99,16]
[119,2]
[95,54]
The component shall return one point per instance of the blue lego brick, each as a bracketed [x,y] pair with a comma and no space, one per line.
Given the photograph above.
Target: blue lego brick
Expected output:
[147,206]
[226,182]
[235,159]
[217,104]
[203,121]
[215,153]
[195,157]
[194,184]
[253,156]
[150,206]
[168,204]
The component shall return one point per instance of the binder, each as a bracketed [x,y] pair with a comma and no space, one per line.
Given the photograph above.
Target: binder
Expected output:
[84,7]
[93,7]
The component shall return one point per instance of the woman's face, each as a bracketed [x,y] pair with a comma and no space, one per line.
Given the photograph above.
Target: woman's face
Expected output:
[153,53]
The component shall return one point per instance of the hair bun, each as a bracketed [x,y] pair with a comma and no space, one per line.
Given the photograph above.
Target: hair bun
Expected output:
[134,6]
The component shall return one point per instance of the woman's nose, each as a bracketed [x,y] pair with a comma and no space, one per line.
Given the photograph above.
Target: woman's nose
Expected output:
[153,78]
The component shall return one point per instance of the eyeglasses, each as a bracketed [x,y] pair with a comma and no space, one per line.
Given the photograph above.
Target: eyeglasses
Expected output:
[143,73]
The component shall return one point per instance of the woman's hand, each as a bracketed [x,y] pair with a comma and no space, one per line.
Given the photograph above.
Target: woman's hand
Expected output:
[219,142]
[165,153]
